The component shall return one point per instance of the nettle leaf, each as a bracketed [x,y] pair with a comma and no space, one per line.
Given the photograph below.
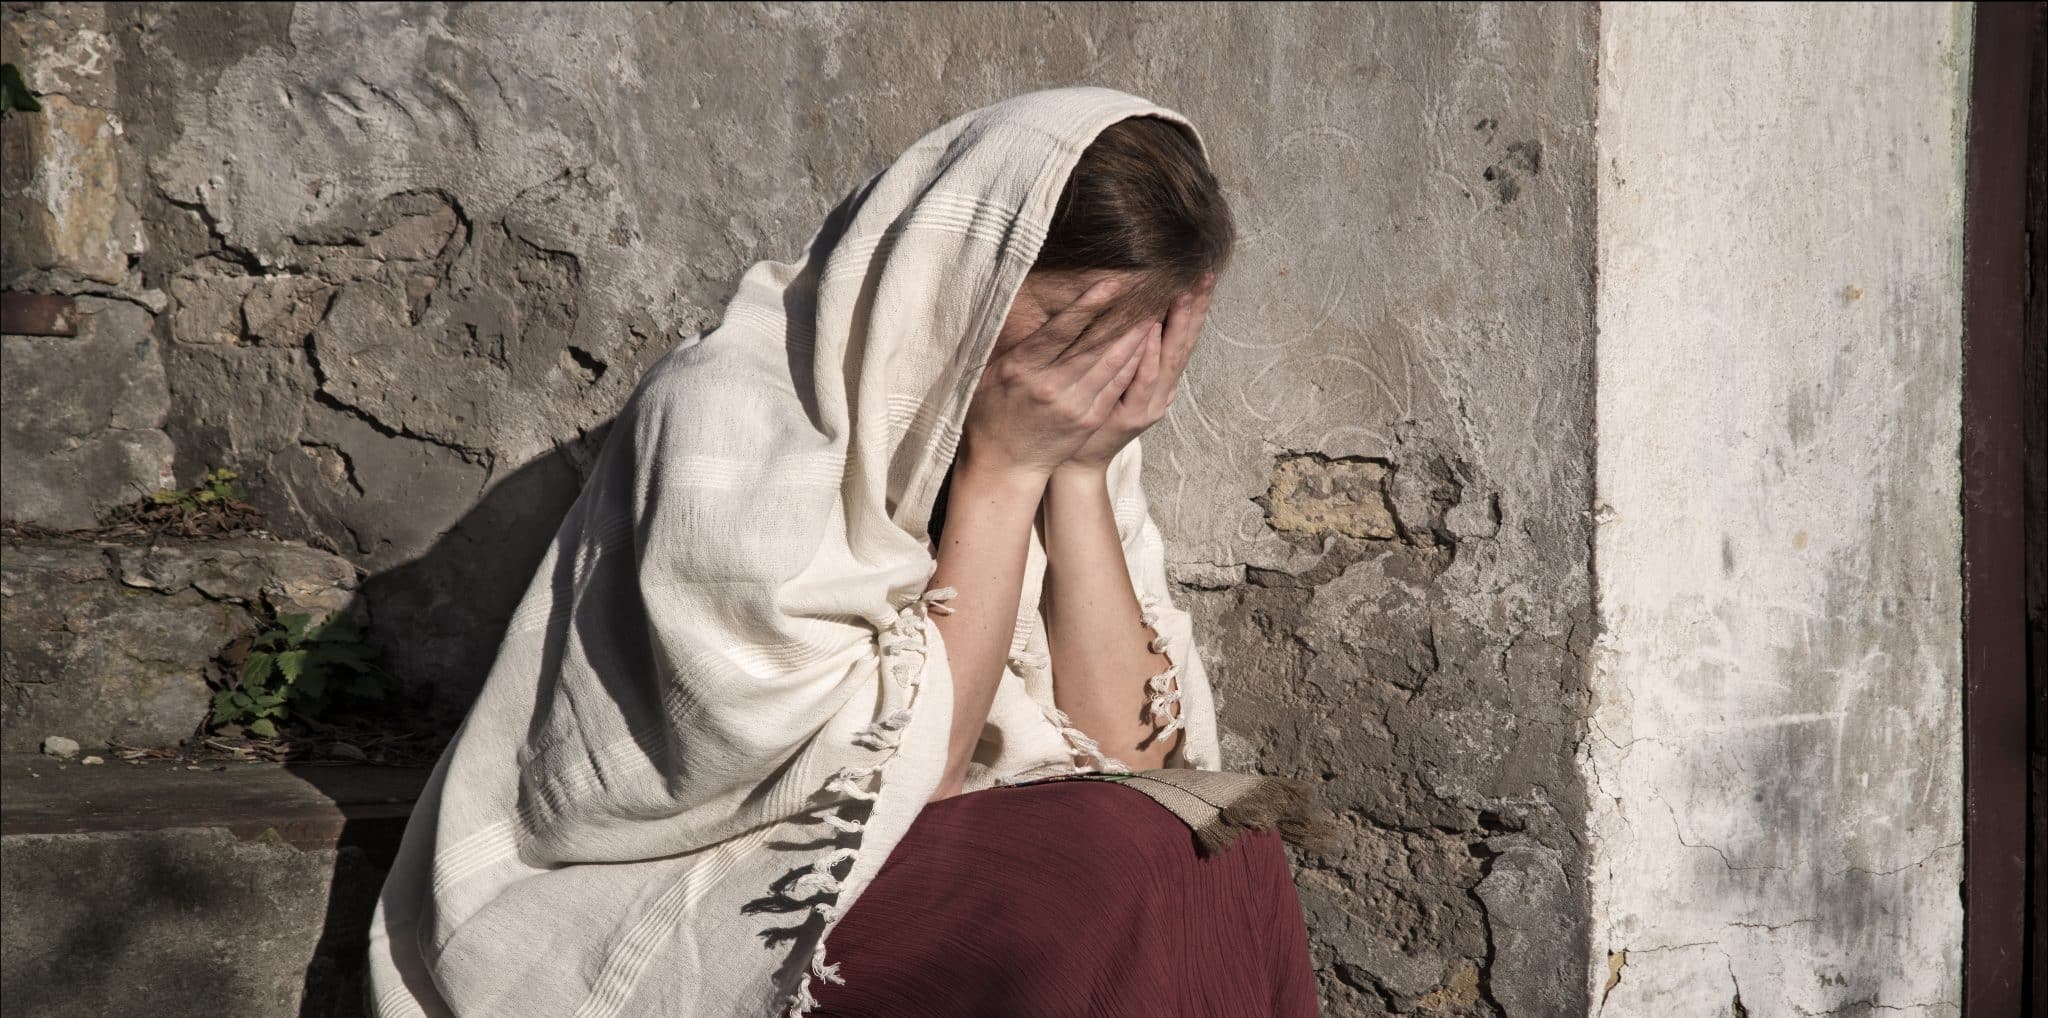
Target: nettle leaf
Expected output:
[270,638]
[311,686]
[294,624]
[291,664]
[244,700]
[256,670]
[263,727]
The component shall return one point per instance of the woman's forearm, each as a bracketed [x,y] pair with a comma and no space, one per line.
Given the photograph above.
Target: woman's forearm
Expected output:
[982,549]
[1100,645]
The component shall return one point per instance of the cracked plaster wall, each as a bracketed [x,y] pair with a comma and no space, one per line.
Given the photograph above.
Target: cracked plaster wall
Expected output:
[414,257]
[1775,759]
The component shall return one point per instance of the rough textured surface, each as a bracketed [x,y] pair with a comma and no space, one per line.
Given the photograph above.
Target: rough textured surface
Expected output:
[411,258]
[69,221]
[1776,753]
[179,923]
[87,412]
[241,890]
[110,640]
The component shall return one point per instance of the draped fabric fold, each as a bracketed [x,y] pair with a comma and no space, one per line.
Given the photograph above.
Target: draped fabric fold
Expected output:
[721,699]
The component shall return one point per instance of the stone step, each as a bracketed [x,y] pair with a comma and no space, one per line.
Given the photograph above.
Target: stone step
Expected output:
[229,890]
[112,639]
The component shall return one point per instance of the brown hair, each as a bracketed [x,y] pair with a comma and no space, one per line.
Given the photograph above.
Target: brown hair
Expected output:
[1141,198]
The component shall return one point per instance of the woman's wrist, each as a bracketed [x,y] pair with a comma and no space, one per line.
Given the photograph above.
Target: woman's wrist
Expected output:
[1074,475]
[998,480]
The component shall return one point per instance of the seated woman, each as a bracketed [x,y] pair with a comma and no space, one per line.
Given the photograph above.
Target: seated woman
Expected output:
[858,576]
[1076,898]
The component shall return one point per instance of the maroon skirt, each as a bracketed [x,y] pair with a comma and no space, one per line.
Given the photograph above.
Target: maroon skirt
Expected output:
[1070,898]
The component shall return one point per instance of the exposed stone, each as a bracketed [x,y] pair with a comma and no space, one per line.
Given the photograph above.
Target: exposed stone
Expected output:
[114,640]
[62,49]
[1528,908]
[207,307]
[60,747]
[85,413]
[236,889]
[1312,495]
[283,310]
[61,203]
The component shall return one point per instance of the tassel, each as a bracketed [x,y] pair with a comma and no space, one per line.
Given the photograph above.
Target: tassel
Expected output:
[1148,609]
[1160,683]
[827,971]
[801,1001]
[902,636]
[882,734]
[832,858]
[814,883]
[847,782]
[934,600]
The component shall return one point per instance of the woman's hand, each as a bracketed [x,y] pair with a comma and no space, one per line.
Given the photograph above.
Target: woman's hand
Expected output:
[1151,390]
[1042,398]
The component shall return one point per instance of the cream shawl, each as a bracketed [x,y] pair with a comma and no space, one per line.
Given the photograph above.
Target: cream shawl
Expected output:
[722,700]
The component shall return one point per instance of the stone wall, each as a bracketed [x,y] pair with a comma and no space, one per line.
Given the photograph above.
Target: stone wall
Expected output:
[409,259]
[87,393]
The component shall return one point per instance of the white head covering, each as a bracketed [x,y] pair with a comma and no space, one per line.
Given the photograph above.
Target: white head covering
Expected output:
[721,700]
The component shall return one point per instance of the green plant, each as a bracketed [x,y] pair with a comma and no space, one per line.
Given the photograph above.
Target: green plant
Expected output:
[216,487]
[14,92]
[297,667]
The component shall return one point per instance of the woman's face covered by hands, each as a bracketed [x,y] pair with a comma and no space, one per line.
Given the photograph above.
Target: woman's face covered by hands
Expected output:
[1129,360]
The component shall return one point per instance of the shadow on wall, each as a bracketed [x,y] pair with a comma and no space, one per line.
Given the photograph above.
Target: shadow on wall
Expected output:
[478,570]
[440,617]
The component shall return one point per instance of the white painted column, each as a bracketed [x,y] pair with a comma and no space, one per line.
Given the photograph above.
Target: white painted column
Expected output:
[1775,762]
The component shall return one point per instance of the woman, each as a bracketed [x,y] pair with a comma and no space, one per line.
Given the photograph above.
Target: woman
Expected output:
[748,663]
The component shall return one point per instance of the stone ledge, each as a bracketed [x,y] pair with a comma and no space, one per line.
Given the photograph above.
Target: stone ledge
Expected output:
[111,639]
[154,889]
[307,806]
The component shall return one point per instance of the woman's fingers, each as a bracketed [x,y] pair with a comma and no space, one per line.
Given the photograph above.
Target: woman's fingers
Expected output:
[1128,358]
[1139,393]
[1050,342]
[1106,375]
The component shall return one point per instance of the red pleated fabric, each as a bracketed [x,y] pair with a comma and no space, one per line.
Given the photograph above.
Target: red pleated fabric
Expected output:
[1069,899]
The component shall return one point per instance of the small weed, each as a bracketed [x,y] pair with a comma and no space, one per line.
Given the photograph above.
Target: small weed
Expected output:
[214,507]
[296,668]
[213,489]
